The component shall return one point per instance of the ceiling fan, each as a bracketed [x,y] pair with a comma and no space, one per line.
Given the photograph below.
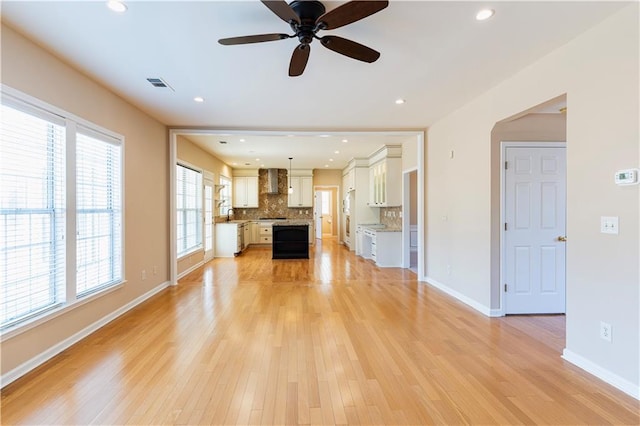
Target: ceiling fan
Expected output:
[307,18]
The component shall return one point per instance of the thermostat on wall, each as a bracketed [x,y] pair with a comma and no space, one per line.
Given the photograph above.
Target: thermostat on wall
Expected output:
[626,177]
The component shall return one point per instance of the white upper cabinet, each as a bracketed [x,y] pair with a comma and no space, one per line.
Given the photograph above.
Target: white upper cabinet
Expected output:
[302,195]
[349,181]
[245,191]
[385,179]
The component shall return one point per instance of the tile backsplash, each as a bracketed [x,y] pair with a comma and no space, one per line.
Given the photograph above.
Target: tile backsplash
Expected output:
[273,205]
[391,217]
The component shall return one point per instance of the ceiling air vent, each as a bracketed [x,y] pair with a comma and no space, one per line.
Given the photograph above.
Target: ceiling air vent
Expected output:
[158,82]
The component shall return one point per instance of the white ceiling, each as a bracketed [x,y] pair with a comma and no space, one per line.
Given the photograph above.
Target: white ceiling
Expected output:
[433,54]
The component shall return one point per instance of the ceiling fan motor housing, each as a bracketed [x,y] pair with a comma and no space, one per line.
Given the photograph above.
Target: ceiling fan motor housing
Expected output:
[308,11]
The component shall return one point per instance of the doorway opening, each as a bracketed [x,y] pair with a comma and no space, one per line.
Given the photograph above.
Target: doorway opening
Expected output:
[325,212]
[545,123]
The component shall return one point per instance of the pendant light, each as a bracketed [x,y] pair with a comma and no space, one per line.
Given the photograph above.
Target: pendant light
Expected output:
[290,187]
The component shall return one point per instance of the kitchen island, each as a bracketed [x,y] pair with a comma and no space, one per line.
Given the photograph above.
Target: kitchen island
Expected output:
[290,239]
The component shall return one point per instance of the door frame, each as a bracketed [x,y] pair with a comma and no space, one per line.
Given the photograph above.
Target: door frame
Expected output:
[334,207]
[208,177]
[503,151]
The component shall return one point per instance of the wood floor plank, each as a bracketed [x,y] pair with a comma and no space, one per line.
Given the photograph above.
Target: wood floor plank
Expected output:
[328,340]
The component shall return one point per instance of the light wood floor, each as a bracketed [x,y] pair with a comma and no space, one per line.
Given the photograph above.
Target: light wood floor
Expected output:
[331,340]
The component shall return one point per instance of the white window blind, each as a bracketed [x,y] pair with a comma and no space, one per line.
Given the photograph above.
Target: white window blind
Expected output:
[99,214]
[189,209]
[60,210]
[32,214]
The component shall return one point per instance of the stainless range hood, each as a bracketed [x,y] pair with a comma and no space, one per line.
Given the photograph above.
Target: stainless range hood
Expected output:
[272,181]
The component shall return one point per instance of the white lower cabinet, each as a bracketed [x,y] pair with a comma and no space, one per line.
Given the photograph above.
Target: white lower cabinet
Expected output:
[265,232]
[383,247]
[228,239]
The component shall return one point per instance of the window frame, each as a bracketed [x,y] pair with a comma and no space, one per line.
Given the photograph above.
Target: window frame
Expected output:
[200,218]
[72,123]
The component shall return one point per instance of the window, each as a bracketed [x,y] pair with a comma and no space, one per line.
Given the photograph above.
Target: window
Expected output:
[225,195]
[44,264]
[98,213]
[326,203]
[189,209]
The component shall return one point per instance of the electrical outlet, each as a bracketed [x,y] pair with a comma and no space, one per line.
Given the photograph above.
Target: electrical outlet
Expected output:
[155,270]
[143,275]
[605,331]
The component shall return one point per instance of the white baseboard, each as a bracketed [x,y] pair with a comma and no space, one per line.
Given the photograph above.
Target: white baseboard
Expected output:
[193,268]
[40,359]
[592,368]
[464,299]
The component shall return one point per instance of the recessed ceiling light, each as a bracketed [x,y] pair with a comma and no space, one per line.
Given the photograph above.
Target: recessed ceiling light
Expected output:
[330,159]
[485,14]
[400,101]
[234,164]
[323,136]
[198,99]
[117,6]
[326,165]
[345,140]
[257,159]
[261,165]
[242,140]
[336,152]
[290,136]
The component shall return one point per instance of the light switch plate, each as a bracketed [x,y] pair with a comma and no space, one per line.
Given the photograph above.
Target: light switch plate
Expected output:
[609,224]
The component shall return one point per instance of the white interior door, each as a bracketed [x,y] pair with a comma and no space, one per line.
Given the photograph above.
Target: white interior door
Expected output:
[535,230]
[317,213]
[208,219]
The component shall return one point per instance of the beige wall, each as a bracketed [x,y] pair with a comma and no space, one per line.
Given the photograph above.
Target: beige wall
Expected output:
[413,193]
[598,71]
[530,127]
[327,177]
[193,154]
[196,156]
[410,154]
[28,68]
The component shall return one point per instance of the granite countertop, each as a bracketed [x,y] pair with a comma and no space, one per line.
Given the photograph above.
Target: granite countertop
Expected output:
[381,228]
[292,222]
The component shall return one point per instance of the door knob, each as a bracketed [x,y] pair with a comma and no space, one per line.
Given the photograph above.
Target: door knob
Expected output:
[562,239]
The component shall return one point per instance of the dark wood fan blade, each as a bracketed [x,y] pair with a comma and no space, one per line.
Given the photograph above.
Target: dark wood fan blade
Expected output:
[252,39]
[350,48]
[351,12]
[299,60]
[282,9]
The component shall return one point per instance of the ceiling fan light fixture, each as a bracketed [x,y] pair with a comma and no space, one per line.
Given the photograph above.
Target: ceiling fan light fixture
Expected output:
[400,101]
[198,99]
[485,14]
[117,6]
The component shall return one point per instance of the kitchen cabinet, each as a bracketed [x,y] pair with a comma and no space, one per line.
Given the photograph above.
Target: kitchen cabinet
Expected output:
[255,233]
[385,183]
[265,232]
[349,181]
[245,191]
[229,239]
[302,195]
[381,246]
